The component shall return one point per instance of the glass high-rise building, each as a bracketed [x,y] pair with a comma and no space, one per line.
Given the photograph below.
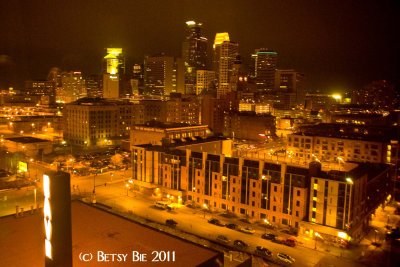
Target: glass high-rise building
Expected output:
[265,62]
[225,57]
[159,74]
[194,54]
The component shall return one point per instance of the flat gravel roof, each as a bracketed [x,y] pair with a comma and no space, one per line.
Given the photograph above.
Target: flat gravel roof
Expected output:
[93,230]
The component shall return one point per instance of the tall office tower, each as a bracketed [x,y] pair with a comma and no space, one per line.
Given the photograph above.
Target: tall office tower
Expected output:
[159,74]
[113,73]
[179,76]
[93,86]
[137,80]
[73,86]
[265,62]
[194,54]
[225,53]
[45,89]
[205,81]
[54,76]
[291,82]
[234,78]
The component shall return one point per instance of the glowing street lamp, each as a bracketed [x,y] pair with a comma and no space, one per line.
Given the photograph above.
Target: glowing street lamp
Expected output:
[266,222]
[204,209]
[127,188]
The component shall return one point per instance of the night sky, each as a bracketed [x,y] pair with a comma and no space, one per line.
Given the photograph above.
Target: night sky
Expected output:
[338,45]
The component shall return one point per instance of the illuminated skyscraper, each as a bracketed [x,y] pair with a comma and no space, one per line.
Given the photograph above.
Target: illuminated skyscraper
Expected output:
[205,81]
[113,73]
[225,54]
[93,86]
[137,79]
[114,62]
[73,86]
[194,54]
[265,62]
[159,74]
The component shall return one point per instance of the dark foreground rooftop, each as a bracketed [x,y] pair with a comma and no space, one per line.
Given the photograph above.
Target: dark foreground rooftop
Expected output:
[93,230]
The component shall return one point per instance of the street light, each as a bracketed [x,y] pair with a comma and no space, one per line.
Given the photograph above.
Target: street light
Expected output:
[317,235]
[266,223]
[94,189]
[204,209]
[127,188]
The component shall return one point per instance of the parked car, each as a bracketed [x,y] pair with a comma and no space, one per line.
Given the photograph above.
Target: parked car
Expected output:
[240,244]
[285,258]
[263,252]
[171,222]
[290,242]
[247,230]
[232,226]
[223,239]
[278,240]
[268,236]
[216,222]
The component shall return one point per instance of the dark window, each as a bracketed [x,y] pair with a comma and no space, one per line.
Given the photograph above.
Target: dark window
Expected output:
[297,203]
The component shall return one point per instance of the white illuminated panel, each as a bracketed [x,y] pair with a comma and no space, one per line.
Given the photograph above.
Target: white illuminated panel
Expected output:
[47,216]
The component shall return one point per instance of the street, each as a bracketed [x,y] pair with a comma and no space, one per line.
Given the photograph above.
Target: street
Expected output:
[112,191]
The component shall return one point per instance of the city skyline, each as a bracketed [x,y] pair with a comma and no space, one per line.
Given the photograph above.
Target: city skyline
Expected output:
[335,46]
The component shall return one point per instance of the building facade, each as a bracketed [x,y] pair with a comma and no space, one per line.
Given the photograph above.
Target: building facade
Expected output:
[337,143]
[176,109]
[249,126]
[97,121]
[156,133]
[279,193]
[205,81]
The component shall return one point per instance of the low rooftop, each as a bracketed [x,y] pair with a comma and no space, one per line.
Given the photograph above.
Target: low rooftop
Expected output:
[22,242]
